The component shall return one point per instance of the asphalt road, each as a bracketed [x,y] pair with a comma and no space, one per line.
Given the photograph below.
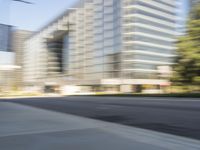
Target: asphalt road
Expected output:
[178,116]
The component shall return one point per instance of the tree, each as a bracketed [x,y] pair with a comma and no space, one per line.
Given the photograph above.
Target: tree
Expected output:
[187,67]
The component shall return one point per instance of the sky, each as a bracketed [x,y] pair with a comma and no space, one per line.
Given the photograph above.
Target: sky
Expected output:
[185,7]
[33,17]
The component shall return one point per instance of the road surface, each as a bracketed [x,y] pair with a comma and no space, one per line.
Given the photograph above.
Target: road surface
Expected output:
[178,116]
[29,128]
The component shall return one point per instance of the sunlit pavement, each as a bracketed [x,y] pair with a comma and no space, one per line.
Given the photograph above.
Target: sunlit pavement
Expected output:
[177,116]
[28,128]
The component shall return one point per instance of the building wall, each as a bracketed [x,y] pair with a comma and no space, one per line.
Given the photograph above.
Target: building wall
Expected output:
[38,57]
[81,42]
[194,2]
[5,37]
[35,60]
[107,39]
[148,37]
[7,58]
[11,56]
[7,70]
[18,39]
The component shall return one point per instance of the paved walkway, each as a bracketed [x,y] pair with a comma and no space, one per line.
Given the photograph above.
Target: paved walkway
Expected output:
[28,128]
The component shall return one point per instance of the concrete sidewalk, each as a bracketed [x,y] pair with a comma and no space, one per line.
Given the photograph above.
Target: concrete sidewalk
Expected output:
[28,128]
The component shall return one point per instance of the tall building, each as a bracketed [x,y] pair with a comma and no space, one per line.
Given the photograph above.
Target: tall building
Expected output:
[5,37]
[18,39]
[194,2]
[121,45]
[7,58]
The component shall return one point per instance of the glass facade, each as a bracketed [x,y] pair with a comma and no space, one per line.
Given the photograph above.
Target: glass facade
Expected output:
[107,37]
[5,38]
[148,37]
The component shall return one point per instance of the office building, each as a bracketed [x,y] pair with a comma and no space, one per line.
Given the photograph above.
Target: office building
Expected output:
[105,45]
[5,37]
[194,2]
[7,58]
[17,46]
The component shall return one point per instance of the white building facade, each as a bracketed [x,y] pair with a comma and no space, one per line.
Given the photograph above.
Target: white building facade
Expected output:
[105,45]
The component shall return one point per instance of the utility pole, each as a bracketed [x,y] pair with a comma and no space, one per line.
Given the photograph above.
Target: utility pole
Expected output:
[21,1]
